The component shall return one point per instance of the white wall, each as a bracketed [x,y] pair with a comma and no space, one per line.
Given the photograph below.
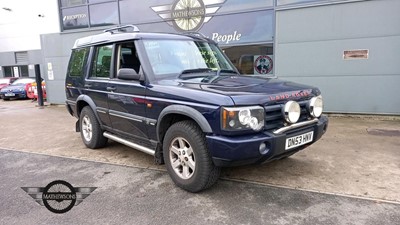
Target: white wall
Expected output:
[21,27]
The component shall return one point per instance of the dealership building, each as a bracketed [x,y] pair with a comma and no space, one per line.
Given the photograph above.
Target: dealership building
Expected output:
[350,49]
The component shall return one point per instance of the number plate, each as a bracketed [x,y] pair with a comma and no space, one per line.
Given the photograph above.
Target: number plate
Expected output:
[9,94]
[299,140]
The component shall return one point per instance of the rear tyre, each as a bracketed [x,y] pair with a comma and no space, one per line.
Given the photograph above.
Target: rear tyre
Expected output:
[91,132]
[187,159]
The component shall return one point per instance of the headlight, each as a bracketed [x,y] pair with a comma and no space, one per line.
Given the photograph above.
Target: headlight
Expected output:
[242,118]
[316,106]
[292,111]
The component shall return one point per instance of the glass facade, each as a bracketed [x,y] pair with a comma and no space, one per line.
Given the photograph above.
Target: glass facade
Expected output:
[244,29]
[76,17]
[103,14]
[294,2]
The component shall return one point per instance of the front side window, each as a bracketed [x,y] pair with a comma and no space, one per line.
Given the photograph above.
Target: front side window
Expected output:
[176,56]
[128,57]
[77,62]
[101,64]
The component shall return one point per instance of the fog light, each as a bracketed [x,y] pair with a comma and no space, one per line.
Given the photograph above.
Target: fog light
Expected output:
[315,106]
[263,149]
[292,111]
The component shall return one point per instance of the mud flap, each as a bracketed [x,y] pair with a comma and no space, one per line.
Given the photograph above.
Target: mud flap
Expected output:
[158,155]
[77,127]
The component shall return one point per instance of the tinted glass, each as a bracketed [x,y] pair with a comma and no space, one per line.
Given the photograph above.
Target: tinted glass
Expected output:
[73,18]
[103,14]
[247,59]
[98,1]
[78,62]
[102,62]
[69,3]
[24,71]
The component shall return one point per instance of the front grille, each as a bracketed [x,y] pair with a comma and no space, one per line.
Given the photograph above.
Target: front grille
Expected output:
[274,117]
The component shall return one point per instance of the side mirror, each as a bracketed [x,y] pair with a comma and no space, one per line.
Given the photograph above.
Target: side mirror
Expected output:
[128,74]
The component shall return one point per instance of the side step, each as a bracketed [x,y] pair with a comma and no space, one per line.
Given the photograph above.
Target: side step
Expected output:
[129,143]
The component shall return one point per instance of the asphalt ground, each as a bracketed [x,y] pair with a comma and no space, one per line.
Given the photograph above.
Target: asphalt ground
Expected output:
[127,195]
[351,176]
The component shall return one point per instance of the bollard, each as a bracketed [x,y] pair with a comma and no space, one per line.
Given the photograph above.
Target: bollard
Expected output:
[39,85]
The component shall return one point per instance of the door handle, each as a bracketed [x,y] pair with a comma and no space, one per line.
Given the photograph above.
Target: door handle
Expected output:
[87,85]
[111,89]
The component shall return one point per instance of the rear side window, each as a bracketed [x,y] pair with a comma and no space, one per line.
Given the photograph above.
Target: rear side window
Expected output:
[102,61]
[78,62]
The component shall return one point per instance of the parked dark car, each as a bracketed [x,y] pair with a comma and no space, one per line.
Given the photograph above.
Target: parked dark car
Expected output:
[4,82]
[18,89]
[180,99]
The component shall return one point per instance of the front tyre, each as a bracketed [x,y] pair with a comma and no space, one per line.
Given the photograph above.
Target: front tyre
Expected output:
[187,159]
[91,132]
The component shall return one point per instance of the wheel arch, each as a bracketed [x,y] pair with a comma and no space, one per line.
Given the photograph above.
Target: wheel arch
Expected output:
[174,113]
[84,100]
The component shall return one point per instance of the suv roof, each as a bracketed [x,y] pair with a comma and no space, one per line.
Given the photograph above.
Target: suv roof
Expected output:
[120,34]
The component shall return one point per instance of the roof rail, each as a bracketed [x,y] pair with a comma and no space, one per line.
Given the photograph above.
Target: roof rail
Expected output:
[122,29]
[197,34]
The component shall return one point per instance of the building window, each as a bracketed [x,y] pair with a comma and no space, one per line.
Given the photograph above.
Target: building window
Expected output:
[252,59]
[16,71]
[69,3]
[98,1]
[103,14]
[74,18]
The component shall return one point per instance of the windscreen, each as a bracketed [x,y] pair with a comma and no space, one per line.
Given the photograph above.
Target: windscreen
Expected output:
[175,56]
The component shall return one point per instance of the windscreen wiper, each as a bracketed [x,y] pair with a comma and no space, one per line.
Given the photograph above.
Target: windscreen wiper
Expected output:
[226,71]
[193,73]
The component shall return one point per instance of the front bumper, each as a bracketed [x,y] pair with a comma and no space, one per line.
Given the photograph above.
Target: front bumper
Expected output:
[13,94]
[242,150]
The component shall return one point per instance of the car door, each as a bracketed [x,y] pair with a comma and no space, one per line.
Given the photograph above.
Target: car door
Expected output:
[97,82]
[127,104]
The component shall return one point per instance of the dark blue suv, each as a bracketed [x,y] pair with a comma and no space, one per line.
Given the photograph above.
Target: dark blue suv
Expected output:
[179,98]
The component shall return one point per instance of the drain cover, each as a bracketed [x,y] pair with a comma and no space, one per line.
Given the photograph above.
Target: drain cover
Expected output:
[383,132]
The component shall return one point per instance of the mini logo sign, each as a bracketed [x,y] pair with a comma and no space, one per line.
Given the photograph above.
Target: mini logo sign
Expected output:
[262,64]
[188,15]
[59,196]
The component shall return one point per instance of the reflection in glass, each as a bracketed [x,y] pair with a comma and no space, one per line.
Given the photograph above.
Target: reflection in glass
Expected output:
[69,3]
[103,14]
[175,56]
[76,17]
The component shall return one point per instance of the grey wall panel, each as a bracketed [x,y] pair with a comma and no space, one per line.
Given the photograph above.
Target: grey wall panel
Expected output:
[325,58]
[341,21]
[309,49]
[7,59]
[56,49]
[356,94]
